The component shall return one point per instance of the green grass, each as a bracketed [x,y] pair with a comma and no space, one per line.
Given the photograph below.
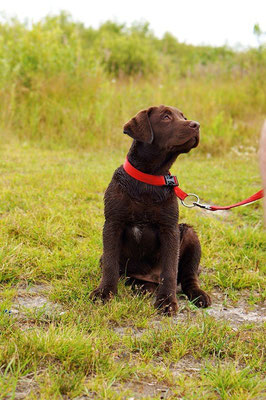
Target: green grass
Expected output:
[51,217]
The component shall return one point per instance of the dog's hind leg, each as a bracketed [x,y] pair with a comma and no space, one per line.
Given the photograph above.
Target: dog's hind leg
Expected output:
[188,267]
[140,275]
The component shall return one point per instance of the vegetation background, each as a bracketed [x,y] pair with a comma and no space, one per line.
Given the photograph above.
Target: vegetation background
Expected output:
[67,85]
[65,93]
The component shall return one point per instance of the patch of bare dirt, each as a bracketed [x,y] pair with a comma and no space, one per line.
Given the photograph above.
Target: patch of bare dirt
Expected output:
[187,365]
[33,298]
[238,314]
[125,330]
[26,386]
[30,302]
[142,389]
[234,314]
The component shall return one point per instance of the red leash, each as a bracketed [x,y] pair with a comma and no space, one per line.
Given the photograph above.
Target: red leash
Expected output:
[170,180]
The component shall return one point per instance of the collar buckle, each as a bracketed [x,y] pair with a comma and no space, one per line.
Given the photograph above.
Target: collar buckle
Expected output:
[171,180]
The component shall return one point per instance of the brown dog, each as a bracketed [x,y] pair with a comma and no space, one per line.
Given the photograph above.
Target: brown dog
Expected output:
[142,239]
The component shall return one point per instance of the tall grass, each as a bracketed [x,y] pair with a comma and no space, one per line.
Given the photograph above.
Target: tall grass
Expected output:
[62,84]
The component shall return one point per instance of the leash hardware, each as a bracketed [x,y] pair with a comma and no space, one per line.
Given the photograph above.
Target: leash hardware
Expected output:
[194,203]
[205,206]
[171,180]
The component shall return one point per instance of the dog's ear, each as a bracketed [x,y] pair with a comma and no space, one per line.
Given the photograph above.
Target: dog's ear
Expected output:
[139,127]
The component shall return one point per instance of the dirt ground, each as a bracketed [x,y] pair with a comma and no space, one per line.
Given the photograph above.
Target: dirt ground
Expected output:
[35,299]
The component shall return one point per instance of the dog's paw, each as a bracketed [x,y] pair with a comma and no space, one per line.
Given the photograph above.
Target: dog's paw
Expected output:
[103,294]
[200,298]
[166,305]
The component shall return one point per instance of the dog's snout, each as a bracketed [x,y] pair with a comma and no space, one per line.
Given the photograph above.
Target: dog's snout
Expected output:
[194,124]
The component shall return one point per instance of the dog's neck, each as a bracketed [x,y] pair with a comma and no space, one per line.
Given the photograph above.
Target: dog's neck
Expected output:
[150,159]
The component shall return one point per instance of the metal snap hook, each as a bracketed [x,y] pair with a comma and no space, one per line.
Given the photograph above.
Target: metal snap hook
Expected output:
[193,203]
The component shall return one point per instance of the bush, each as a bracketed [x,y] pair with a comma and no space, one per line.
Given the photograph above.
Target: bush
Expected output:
[129,55]
[45,49]
[62,83]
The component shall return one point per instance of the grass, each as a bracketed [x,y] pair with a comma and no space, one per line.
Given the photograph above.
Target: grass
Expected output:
[66,91]
[51,218]
[67,86]
[88,112]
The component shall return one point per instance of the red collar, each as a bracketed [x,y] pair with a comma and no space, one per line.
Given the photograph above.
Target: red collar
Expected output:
[156,180]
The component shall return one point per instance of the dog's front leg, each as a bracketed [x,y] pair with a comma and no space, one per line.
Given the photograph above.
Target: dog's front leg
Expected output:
[166,296]
[110,261]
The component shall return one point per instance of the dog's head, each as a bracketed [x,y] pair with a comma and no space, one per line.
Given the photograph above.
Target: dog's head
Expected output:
[164,127]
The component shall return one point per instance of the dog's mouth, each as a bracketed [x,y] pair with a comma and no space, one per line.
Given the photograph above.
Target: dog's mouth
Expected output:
[186,145]
[191,142]
[196,139]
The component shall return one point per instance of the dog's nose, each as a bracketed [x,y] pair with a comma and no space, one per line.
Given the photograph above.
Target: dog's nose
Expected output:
[194,124]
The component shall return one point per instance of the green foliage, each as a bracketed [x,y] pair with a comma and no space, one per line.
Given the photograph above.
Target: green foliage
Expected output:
[67,85]
[129,55]
[57,44]
[46,49]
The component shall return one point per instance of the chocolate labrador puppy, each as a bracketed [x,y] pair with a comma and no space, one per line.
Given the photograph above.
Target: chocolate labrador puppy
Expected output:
[142,239]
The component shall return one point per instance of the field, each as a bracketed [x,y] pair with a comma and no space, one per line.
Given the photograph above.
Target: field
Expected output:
[63,106]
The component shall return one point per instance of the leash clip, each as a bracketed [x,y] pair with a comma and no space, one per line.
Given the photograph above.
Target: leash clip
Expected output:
[205,206]
[195,203]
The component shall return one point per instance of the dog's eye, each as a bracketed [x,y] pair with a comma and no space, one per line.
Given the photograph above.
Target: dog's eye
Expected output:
[166,116]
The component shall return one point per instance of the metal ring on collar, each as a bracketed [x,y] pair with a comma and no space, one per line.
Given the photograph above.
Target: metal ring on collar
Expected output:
[193,204]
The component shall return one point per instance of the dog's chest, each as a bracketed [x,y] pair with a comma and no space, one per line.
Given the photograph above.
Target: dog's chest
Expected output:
[139,214]
[140,239]
[137,233]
